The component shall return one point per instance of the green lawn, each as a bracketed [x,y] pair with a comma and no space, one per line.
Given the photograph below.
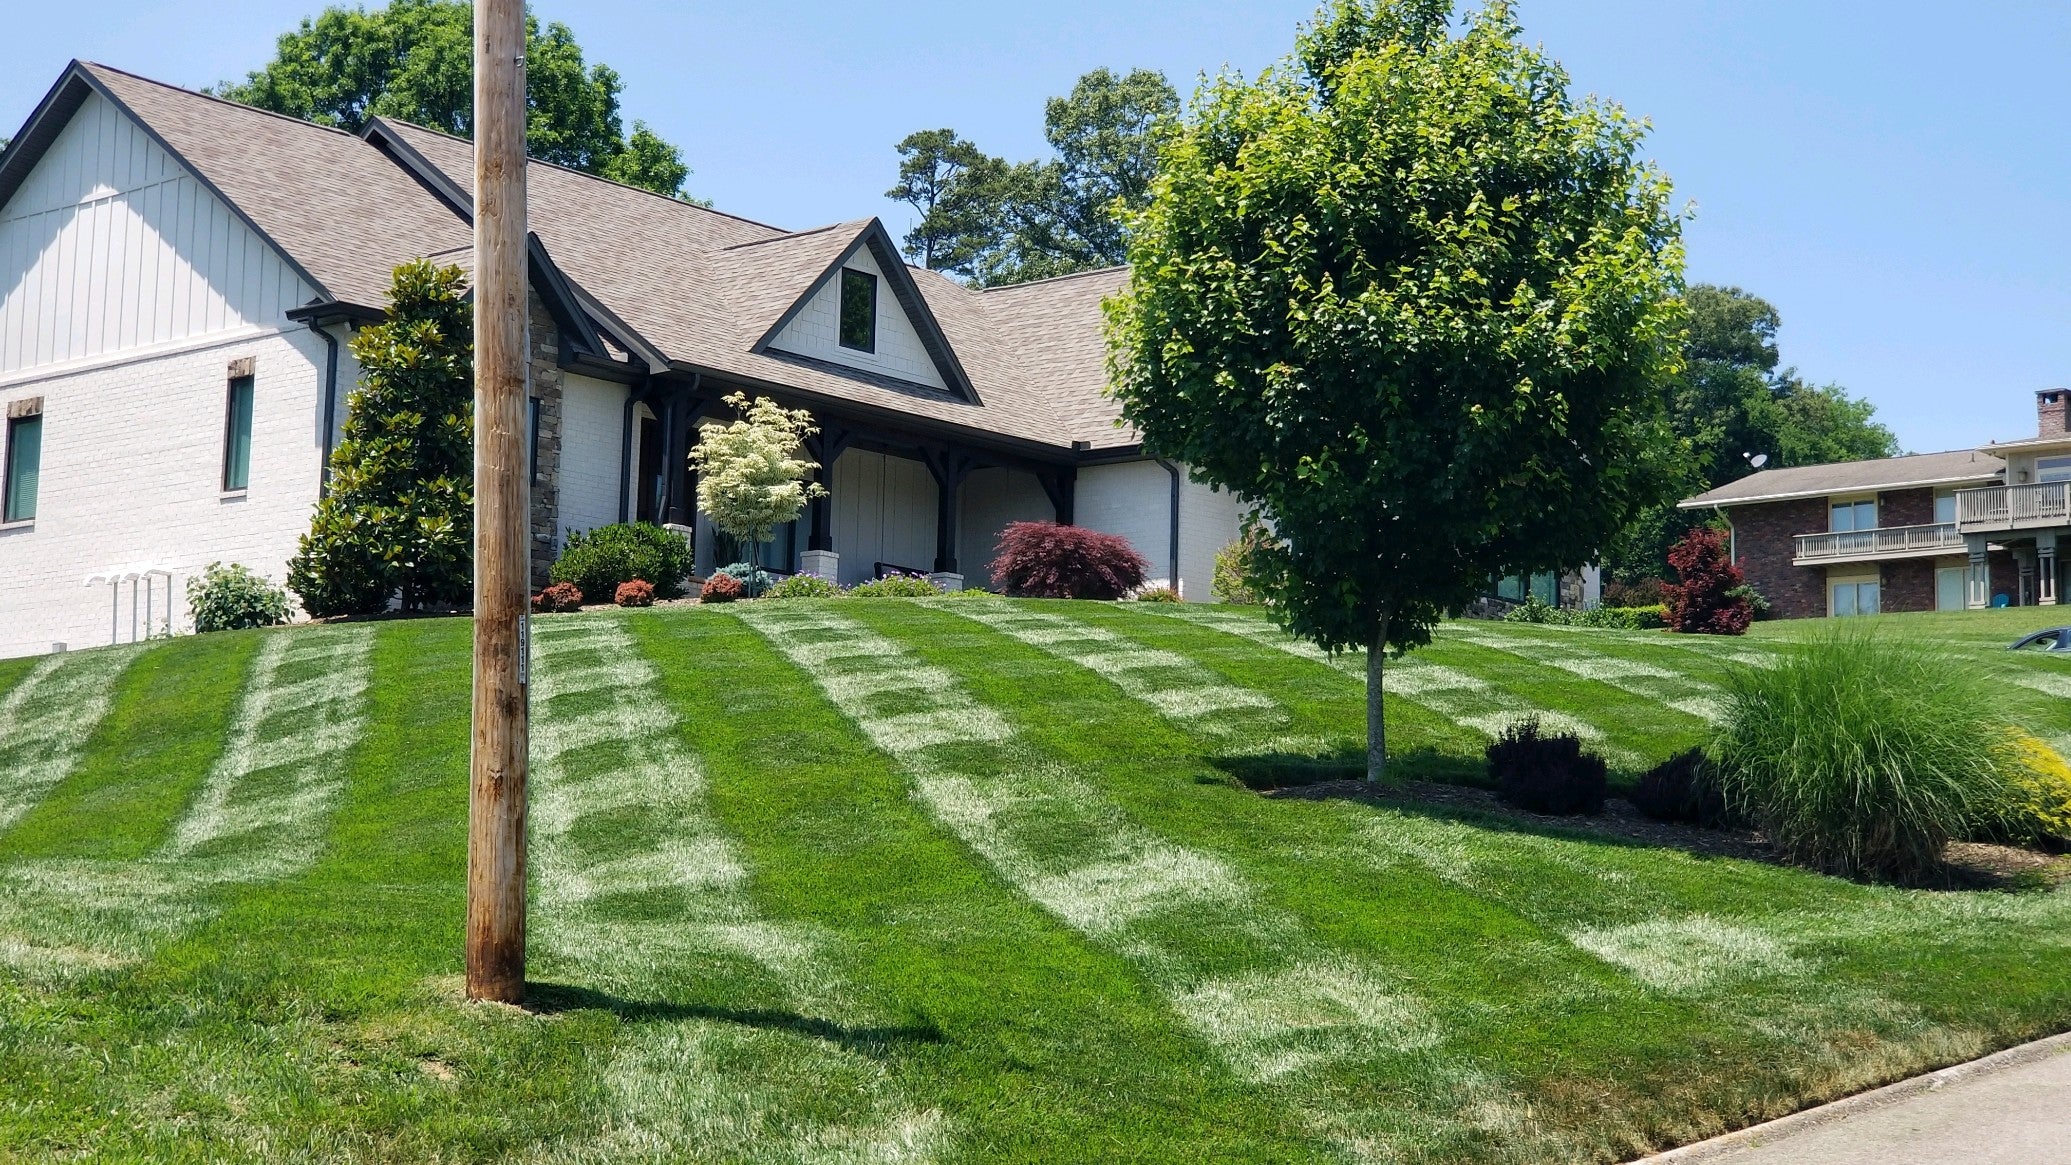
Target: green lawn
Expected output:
[957,880]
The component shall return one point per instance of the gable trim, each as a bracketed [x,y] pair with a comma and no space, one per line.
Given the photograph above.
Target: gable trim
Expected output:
[900,280]
[55,112]
[573,309]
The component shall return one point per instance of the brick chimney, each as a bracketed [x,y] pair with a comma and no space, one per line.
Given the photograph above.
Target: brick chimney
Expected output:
[2049,411]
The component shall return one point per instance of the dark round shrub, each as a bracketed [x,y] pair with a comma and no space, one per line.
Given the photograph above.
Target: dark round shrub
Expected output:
[635,593]
[1546,774]
[599,560]
[721,588]
[1047,561]
[560,596]
[1682,789]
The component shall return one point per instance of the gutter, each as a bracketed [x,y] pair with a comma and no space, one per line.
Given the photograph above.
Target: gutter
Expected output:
[1174,471]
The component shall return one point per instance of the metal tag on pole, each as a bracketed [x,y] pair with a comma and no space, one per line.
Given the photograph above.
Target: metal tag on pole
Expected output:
[497,755]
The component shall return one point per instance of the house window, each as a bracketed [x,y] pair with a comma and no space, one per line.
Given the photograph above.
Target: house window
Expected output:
[237,435]
[1853,516]
[2053,469]
[1855,598]
[24,463]
[1945,506]
[858,310]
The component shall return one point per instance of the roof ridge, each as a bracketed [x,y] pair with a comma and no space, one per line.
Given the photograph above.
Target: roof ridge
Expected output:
[181,89]
[669,198]
[787,236]
[1056,278]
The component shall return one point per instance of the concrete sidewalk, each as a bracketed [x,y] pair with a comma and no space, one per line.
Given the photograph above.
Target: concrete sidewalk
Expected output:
[2013,1106]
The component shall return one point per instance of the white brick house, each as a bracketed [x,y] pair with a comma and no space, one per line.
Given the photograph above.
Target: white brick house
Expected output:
[180,276]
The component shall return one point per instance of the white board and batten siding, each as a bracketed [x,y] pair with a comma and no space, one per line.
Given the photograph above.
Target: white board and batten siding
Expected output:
[126,291]
[111,245]
[883,511]
[1134,499]
[816,331]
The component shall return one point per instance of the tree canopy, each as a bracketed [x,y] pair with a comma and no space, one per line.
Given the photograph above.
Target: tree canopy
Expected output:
[414,61]
[1414,303]
[992,221]
[1730,402]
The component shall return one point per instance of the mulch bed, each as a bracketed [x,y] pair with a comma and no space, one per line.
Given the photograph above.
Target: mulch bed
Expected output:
[1971,865]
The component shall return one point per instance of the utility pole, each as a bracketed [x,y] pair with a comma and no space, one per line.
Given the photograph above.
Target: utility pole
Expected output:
[497,756]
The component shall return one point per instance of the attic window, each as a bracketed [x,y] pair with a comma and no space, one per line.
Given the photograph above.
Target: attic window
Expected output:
[858,310]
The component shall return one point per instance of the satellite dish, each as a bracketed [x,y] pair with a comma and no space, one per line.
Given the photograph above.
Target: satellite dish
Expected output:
[1758,460]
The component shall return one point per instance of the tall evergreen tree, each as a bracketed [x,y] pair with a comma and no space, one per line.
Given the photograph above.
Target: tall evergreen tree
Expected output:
[398,520]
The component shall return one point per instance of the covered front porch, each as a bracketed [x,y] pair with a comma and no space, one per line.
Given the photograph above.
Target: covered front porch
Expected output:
[2028,522]
[897,501]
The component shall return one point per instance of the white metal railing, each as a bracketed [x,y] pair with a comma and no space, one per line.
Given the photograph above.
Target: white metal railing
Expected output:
[1879,542]
[2014,507]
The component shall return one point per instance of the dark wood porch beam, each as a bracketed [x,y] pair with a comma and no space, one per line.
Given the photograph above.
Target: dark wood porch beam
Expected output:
[949,467]
[824,447]
[1062,487]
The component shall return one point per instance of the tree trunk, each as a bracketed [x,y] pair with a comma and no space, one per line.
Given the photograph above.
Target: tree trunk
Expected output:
[1376,723]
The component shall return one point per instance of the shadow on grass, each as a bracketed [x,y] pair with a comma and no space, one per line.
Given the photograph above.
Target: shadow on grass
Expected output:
[1450,787]
[555,998]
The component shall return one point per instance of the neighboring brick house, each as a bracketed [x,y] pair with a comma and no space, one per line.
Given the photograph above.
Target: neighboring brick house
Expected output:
[180,278]
[1934,531]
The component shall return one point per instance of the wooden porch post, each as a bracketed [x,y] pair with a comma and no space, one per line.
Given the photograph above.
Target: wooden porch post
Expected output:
[497,759]
[949,468]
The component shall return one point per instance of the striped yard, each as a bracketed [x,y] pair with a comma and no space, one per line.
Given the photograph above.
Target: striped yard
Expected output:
[883,881]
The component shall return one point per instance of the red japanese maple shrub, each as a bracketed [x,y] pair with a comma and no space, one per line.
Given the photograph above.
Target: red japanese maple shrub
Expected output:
[1712,598]
[562,596]
[634,593]
[721,588]
[1044,560]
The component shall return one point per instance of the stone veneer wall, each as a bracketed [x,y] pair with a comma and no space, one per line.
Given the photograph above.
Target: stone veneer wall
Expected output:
[546,482]
[1763,539]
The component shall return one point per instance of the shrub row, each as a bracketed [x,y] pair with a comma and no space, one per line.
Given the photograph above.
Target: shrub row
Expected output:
[1537,610]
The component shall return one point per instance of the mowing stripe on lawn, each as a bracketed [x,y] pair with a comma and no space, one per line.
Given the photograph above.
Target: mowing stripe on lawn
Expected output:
[1454,692]
[637,889]
[1177,688]
[260,815]
[1244,976]
[1673,689]
[45,721]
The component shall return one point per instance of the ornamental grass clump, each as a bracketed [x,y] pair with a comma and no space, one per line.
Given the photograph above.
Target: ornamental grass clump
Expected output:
[1862,756]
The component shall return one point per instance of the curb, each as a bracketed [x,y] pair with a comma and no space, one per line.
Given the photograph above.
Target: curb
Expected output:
[1719,1147]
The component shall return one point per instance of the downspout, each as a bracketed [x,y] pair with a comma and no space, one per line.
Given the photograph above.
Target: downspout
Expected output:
[323,485]
[1174,471]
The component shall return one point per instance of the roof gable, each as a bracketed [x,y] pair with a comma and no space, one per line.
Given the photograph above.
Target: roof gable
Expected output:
[108,243]
[910,344]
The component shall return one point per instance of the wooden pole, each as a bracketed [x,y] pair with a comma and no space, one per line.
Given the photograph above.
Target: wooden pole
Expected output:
[496,793]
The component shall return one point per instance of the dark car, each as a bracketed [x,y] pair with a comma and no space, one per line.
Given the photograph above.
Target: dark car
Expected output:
[2054,639]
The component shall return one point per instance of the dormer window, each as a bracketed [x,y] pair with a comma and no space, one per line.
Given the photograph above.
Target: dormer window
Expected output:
[858,310]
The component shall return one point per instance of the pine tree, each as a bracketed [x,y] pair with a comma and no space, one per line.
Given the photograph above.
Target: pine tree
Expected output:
[398,520]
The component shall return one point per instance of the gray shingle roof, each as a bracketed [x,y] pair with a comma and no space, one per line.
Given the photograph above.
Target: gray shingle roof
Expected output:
[348,216]
[700,287]
[1957,467]
[704,287]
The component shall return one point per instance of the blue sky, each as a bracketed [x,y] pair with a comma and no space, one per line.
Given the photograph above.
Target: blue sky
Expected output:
[1896,178]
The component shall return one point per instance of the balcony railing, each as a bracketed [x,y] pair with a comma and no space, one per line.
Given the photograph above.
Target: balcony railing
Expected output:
[1888,542]
[2014,507]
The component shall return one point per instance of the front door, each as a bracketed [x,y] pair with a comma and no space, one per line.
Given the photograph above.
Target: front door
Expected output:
[647,484]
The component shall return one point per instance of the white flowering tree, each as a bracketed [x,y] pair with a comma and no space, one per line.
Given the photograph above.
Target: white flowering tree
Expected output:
[750,477]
